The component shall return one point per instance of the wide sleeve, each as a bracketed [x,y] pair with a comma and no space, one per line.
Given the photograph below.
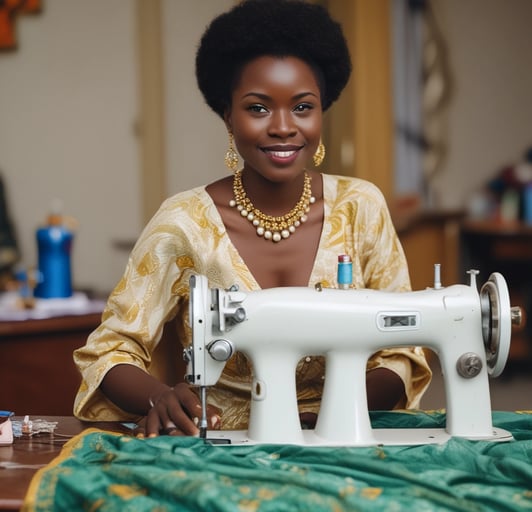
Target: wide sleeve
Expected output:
[150,293]
[382,259]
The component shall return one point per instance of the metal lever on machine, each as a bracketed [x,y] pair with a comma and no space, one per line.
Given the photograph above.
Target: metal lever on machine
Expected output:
[228,304]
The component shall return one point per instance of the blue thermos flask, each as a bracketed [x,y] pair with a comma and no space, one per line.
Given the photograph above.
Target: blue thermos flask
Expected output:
[54,247]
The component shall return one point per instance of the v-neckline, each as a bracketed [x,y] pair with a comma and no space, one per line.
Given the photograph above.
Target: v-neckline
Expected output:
[217,216]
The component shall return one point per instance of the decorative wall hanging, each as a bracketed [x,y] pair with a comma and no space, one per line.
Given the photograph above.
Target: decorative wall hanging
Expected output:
[9,11]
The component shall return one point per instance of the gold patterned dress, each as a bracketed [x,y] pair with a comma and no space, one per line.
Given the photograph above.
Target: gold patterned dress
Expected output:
[187,236]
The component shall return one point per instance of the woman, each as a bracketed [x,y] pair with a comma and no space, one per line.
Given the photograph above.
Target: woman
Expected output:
[269,69]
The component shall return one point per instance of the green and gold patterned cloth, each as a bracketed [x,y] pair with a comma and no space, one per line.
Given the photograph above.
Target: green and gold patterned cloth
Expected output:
[100,471]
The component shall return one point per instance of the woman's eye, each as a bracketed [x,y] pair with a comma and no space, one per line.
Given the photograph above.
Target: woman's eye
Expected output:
[303,106]
[259,109]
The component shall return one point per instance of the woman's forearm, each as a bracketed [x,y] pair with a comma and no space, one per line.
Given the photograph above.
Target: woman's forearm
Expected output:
[131,388]
[384,388]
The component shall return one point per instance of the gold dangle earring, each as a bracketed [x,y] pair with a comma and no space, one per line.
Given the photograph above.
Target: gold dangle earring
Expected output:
[231,156]
[319,155]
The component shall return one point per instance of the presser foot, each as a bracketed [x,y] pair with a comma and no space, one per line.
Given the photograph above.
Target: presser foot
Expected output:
[382,436]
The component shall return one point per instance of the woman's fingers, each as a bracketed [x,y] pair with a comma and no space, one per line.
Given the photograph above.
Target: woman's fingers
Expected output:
[178,412]
[167,416]
[191,403]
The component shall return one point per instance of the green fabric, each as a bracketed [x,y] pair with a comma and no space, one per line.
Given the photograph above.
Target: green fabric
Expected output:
[107,472]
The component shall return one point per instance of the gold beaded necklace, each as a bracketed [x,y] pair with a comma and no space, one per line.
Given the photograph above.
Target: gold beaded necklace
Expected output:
[267,226]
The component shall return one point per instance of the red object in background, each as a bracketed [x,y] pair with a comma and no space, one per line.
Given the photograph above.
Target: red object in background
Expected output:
[7,36]
[31,6]
[9,10]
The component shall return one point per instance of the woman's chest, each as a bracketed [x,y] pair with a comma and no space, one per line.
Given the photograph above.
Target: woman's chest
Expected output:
[286,263]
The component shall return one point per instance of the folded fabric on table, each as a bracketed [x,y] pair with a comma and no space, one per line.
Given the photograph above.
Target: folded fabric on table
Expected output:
[106,472]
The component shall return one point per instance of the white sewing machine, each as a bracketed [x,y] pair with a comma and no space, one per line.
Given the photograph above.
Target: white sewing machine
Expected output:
[275,328]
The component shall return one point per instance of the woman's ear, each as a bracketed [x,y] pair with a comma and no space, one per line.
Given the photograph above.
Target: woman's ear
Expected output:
[227,121]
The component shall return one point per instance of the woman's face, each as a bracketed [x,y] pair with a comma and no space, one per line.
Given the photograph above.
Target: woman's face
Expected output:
[276,116]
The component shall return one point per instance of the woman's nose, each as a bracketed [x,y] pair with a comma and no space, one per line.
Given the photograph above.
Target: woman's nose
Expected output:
[282,124]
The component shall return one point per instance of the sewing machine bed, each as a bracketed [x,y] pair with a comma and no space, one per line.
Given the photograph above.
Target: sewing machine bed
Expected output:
[382,436]
[104,471]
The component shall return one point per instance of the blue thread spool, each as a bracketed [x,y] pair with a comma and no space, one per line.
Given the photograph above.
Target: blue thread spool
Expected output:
[345,272]
[54,244]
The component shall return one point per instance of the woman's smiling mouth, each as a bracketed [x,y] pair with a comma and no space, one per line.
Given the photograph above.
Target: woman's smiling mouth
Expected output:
[282,155]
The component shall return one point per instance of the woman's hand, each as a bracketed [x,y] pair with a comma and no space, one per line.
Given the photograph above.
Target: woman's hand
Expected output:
[173,411]
[177,411]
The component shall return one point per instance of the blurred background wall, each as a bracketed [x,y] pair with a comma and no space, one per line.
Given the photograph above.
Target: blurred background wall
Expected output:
[70,124]
[72,115]
[488,122]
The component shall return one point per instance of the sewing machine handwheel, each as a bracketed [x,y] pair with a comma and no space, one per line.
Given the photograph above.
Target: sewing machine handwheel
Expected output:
[496,322]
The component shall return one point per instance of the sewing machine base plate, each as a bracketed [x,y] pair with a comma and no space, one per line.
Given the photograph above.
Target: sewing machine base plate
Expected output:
[385,436]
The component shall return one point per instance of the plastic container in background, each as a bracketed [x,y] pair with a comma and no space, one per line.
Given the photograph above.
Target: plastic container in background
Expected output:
[509,209]
[527,204]
[54,247]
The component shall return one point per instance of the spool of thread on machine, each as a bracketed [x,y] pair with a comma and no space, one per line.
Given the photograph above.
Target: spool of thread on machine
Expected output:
[345,272]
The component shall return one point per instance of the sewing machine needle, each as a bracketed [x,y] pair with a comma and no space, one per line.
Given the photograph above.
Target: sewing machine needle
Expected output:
[203,421]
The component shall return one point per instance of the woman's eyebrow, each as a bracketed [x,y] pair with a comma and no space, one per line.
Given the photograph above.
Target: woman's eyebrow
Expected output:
[266,97]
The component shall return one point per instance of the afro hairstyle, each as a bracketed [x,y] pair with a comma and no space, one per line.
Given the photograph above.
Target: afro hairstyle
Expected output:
[278,28]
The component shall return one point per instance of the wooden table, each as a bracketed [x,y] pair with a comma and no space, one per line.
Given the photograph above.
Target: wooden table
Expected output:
[37,373]
[36,452]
